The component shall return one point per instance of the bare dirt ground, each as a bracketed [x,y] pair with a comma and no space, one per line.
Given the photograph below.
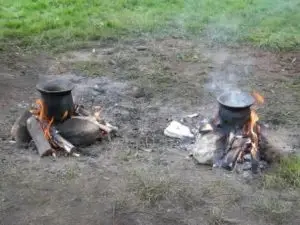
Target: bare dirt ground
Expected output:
[144,177]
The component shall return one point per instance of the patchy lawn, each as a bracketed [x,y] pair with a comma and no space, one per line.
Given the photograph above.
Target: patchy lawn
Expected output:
[266,23]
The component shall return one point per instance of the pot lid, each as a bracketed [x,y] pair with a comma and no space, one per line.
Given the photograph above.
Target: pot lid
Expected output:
[55,86]
[236,99]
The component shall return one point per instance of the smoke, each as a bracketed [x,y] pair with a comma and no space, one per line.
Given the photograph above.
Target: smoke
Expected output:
[221,82]
[230,72]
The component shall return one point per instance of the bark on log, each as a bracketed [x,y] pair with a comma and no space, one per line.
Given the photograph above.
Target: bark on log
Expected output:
[36,132]
[19,130]
[79,131]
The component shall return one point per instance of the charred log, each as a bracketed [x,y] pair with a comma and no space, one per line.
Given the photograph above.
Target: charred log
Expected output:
[19,130]
[36,132]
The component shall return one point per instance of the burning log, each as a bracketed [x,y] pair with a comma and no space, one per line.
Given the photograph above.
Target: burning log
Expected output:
[79,131]
[236,148]
[19,130]
[36,132]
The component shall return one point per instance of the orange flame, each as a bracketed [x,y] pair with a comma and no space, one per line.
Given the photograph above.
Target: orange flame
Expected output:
[251,128]
[40,113]
[47,132]
[259,98]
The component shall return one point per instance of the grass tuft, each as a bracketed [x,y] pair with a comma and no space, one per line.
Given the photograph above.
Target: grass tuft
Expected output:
[287,174]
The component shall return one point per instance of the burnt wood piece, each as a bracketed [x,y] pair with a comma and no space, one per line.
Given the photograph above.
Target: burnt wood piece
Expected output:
[61,142]
[237,146]
[79,131]
[36,132]
[19,130]
[230,159]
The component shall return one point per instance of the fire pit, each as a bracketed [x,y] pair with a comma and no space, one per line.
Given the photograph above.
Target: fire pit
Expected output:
[56,124]
[234,133]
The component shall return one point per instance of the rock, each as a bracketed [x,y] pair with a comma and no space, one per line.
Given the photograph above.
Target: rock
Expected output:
[138,92]
[206,128]
[99,89]
[177,130]
[208,148]
[141,48]
[79,132]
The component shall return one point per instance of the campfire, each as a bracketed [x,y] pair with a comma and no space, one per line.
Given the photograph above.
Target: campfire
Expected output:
[234,135]
[55,124]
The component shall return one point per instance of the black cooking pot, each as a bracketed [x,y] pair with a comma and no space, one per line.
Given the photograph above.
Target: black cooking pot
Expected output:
[57,97]
[235,108]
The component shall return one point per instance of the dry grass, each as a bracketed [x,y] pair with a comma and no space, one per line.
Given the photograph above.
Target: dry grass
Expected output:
[273,210]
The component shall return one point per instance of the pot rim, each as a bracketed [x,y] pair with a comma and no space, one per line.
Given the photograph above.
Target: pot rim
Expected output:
[249,100]
[63,85]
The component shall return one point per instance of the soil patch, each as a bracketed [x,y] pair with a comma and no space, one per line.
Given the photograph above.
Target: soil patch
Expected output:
[145,177]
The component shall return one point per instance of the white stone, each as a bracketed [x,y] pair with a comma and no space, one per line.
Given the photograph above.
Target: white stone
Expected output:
[177,130]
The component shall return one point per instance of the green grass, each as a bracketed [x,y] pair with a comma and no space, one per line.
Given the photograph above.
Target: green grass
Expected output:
[267,23]
[286,174]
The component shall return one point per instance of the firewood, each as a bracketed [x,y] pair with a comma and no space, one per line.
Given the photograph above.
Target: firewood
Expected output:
[236,147]
[230,159]
[19,130]
[81,111]
[103,127]
[79,131]
[61,142]
[36,132]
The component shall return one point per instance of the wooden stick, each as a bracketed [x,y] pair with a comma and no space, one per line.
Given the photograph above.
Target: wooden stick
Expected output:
[36,132]
[230,159]
[61,142]
[93,120]
[80,110]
